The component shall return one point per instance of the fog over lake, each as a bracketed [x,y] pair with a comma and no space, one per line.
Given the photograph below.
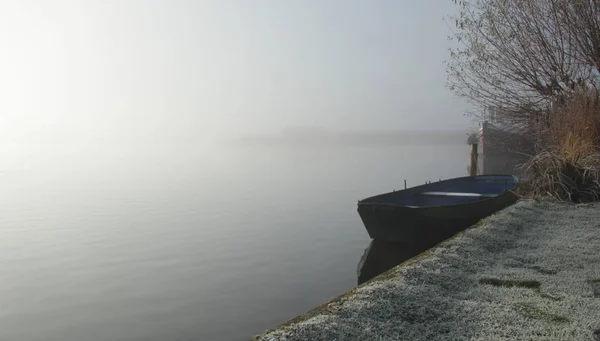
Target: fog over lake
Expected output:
[189,170]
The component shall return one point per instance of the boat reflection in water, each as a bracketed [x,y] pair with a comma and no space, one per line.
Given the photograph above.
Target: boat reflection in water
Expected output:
[381,255]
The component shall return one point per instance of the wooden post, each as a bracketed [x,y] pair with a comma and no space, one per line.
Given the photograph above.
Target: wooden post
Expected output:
[404,183]
[473,163]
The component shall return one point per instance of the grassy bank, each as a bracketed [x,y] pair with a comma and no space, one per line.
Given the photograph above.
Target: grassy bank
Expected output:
[529,272]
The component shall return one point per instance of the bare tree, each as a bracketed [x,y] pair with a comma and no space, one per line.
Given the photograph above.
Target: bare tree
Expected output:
[520,56]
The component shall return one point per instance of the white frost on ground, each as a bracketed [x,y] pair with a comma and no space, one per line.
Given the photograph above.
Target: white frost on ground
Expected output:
[461,291]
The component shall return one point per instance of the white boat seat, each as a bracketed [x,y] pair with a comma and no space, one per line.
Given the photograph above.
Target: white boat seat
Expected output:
[459,194]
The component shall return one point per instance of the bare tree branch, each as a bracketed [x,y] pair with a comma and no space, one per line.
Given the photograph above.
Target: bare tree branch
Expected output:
[522,55]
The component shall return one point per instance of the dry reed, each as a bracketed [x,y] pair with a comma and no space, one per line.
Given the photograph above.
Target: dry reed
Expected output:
[568,167]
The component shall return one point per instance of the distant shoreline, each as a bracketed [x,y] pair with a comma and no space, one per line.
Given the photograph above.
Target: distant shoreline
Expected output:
[355,138]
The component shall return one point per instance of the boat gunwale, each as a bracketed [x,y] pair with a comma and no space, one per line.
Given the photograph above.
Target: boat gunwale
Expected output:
[485,199]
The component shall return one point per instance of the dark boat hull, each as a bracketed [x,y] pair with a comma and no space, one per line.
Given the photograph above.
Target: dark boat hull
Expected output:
[411,224]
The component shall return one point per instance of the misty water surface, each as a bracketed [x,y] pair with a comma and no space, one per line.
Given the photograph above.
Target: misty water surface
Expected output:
[157,242]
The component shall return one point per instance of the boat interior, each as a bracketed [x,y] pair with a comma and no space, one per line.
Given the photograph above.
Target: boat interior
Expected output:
[451,192]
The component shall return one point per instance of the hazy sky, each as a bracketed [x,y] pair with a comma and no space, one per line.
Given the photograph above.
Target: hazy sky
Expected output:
[79,70]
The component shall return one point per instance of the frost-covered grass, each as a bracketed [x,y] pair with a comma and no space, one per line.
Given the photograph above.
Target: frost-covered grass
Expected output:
[529,272]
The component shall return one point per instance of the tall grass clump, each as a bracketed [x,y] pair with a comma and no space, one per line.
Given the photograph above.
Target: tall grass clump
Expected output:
[568,166]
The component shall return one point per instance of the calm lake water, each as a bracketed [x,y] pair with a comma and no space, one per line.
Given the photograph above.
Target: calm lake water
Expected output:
[187,243]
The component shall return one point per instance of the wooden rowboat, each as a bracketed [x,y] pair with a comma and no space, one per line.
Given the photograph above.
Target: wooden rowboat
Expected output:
[438,209]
